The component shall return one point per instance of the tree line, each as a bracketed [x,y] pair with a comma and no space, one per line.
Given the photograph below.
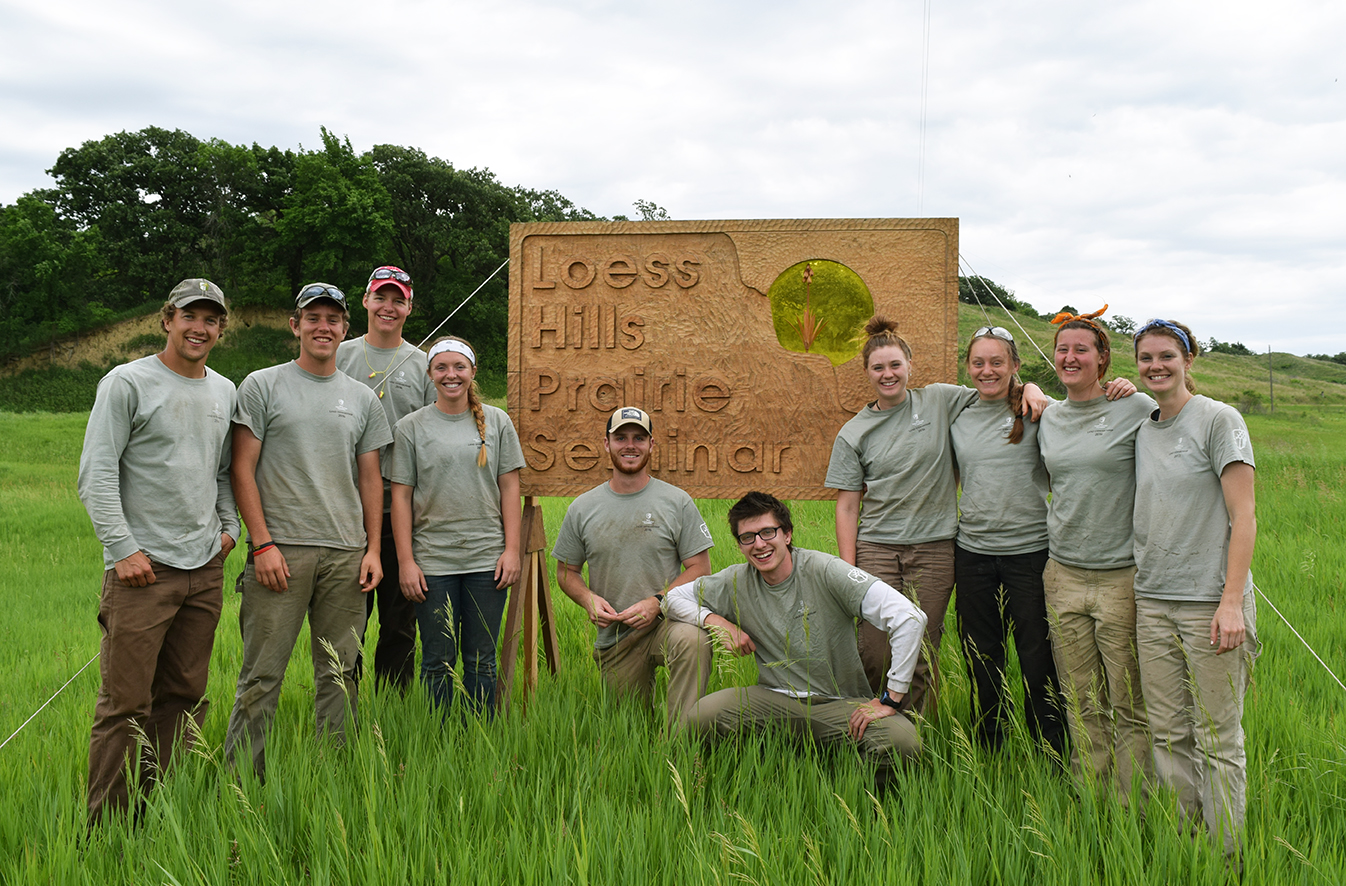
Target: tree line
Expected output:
[132,213]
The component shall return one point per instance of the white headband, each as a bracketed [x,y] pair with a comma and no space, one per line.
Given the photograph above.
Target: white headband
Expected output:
[456,347]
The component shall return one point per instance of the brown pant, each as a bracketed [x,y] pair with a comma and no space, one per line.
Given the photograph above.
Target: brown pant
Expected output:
[155,657]
[324,585]
[1194,698]
[923,572]
[826,721]
[685,649]
[1092,617]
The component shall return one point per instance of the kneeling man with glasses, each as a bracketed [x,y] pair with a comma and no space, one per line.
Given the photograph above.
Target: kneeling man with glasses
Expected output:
[795,610]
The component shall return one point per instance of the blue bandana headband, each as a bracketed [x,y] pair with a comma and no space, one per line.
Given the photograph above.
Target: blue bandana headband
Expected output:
[1165,324]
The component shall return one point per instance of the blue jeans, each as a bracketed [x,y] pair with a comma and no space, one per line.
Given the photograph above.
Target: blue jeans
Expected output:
[460,612]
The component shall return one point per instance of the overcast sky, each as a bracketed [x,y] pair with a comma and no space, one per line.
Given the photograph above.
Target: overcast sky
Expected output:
[1183,159]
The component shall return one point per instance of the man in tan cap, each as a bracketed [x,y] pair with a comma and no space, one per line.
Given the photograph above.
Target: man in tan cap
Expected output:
[640,537]
[154,477]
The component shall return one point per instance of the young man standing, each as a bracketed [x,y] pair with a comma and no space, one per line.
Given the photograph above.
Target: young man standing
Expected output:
[795,610]
[154,476]
[640,537]
[395,370]
[306,478]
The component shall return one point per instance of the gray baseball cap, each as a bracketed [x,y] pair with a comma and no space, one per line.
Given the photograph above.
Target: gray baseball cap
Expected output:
[314,291]
[197,289]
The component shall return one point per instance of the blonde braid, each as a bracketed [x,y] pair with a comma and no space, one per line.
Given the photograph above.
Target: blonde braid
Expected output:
[474,401]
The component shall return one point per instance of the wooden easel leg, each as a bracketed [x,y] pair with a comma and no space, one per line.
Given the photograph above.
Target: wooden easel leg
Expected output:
[529,603]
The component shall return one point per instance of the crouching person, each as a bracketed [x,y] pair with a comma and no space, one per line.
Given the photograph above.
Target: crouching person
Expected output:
[795,610]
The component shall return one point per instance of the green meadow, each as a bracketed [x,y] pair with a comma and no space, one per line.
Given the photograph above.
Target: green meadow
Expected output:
[574,788]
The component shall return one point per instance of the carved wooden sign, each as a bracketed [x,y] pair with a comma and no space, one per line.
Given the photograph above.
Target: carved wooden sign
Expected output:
[741,339]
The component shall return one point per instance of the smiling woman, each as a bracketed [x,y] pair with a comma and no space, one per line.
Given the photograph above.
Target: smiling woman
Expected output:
[1195,610]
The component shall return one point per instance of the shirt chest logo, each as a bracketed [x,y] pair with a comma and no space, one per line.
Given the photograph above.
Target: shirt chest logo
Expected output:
[342,409]
[648,524]
[918,423]
[1181,448]
[1100,427]
[216,413]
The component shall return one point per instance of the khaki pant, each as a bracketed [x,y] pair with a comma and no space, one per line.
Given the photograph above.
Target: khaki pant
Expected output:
[923,572]
[324,584]
[1092,616]
[154,660]
[826,722]
[685,649]
[1195,701]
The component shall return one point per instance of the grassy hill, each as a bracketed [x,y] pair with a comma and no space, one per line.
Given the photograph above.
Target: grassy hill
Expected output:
[63,377]
[1241,381]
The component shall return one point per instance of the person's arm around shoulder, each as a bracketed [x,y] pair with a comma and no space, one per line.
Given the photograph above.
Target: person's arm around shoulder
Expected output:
[370,483]
[891,611]
[1227,629]
[268,562]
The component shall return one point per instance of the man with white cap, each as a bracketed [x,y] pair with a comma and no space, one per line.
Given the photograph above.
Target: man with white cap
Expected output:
[640,537]
[306,478]
[395,370]
[154,476]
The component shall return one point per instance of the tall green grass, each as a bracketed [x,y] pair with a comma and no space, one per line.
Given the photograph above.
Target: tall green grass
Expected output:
[572,787]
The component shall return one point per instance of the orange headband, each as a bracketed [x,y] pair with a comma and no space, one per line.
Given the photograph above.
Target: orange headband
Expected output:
[1067,317]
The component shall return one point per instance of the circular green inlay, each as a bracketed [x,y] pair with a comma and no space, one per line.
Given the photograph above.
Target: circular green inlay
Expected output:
[823,315]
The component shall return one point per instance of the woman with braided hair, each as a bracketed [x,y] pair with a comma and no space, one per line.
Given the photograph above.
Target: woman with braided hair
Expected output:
[1088,444]
[456,521]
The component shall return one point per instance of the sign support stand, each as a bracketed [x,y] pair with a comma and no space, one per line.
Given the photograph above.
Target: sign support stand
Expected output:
[530,609]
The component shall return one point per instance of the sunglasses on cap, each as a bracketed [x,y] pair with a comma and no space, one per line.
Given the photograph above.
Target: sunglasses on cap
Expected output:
[389,273]
[320,290]
[999,332]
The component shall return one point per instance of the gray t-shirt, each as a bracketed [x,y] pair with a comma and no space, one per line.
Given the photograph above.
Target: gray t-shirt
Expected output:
[635,544]
[312,427]
[902,459]
[408,386]
[804,627]
[1182,523]
[153,444]
[456,525]
[1003,509]
[1089,449]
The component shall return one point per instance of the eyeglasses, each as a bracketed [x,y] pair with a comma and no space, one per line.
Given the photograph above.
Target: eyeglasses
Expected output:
[999,332]
[318,290]
[767,534]
[397,274]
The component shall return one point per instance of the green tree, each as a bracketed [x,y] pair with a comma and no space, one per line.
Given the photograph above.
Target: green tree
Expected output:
[335,219]
[49,275]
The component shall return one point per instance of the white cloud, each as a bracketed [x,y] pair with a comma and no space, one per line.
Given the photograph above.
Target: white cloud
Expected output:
[1179,159]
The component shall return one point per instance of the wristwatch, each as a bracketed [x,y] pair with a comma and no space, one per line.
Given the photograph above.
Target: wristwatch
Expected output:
[884,699]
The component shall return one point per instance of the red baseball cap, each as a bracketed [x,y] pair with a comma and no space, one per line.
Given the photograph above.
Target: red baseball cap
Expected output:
[390,275]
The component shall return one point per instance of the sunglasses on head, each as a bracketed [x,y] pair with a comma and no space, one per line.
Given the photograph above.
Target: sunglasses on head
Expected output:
[317,290]
[999,332]
[397,274]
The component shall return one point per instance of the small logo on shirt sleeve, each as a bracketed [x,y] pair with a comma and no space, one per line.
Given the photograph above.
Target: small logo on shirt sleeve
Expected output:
[857,575]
